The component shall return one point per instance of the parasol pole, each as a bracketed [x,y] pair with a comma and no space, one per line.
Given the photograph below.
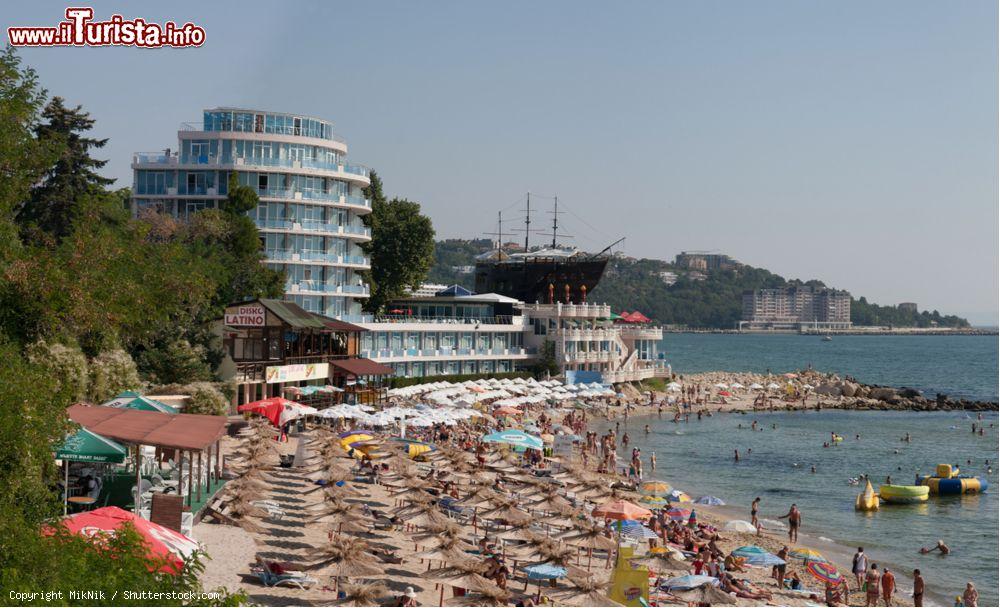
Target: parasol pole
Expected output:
[65,487]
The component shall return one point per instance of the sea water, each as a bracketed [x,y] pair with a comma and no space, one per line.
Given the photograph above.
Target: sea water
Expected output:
[775,464]
[959,366]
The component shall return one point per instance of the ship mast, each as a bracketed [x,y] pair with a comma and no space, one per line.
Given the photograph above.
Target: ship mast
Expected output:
[555,222]
[527,223]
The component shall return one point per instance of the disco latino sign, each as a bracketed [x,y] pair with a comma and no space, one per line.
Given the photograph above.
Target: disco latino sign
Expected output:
[251,315]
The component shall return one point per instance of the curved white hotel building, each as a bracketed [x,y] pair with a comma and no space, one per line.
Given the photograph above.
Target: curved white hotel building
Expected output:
[311,200]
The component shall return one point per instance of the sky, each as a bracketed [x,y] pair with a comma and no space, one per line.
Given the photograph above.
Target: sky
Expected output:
[852,142]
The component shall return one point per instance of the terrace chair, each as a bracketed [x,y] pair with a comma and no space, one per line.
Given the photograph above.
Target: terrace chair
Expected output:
[269,578]
[169,485]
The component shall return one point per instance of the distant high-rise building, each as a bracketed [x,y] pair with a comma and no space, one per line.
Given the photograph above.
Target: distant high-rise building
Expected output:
[311,200]
[705,261]
[908,306]
[796,307]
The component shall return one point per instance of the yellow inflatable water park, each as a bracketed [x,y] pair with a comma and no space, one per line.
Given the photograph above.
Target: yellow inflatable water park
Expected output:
[946,480]
[903,494]
[867,500]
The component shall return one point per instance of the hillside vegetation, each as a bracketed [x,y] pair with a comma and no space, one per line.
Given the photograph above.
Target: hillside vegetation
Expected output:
[714,301]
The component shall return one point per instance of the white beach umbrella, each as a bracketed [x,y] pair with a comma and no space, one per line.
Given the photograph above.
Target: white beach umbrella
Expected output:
[721,385]
[756,387]
[736,385]
[772,386]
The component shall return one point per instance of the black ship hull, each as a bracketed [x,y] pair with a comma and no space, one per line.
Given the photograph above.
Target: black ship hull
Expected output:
[541,280]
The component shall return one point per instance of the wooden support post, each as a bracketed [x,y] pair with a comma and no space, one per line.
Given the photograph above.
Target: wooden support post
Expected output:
[190,478]
[199,476]
[218,458]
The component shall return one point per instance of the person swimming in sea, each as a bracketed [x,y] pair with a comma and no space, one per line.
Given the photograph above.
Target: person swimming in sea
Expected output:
[736,455]
[940,546]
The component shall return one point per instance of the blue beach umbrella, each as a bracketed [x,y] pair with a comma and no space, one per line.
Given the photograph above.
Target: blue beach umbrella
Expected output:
[757,556]
[711,501]
[515,438]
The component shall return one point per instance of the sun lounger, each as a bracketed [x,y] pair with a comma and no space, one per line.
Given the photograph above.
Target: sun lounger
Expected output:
[269,578]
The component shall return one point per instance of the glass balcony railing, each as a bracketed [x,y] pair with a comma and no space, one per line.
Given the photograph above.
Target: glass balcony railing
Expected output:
[314,226]
[319,286]
[238,127]
[144,158]
[315,195]
[284,255]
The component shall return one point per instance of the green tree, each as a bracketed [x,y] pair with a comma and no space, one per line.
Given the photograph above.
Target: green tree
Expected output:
[54,202]
[401,249]
[23,158]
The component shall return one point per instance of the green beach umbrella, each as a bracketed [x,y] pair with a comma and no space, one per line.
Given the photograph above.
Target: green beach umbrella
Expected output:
[148,405]
[86,446]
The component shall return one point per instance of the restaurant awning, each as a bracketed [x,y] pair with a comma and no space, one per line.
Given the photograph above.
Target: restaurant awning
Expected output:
[362,367]
[179,431]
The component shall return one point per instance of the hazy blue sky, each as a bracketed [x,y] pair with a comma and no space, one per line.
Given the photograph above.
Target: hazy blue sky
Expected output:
[854,142]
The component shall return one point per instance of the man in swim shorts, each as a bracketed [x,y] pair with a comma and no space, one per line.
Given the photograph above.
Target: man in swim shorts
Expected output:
[794,517]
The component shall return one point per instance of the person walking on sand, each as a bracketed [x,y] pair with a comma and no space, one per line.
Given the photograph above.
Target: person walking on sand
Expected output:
[888,586]
[794,517]
[754,507]
[872,586]
[859,565]
[918,588]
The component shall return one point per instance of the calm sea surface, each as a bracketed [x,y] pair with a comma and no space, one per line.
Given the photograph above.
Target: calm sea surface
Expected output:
[698,456]
[960,366]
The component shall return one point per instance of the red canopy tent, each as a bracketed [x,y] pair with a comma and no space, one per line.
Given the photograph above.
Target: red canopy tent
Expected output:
[635,317]
[268,408]
[163,543]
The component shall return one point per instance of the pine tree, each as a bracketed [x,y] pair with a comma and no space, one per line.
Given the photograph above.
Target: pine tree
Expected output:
[55,202]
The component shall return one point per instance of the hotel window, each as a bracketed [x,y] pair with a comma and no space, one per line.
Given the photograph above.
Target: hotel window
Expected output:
[297,126]
[196,183]
[258,123]
[397,341]
[262,181]
[448,340]
[431,340]
[466,340]
[413,340]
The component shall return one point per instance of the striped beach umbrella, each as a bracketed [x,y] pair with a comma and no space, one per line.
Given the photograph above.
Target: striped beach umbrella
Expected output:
[808,555]
[825,572]
[678,514]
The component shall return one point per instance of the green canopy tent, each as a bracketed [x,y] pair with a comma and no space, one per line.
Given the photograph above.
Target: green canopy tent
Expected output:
[86,446]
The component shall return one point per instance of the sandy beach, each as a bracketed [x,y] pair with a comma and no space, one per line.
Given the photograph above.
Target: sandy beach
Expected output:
[293,532]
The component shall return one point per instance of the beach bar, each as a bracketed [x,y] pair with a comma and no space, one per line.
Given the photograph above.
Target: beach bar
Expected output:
[276,348]
[189,441]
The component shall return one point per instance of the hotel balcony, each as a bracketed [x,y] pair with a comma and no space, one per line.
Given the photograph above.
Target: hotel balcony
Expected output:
[328,289]
[359,233]
[447,354]
[317,257]
[640,332]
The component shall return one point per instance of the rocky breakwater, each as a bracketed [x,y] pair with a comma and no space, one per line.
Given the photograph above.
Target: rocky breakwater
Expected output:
[856,396]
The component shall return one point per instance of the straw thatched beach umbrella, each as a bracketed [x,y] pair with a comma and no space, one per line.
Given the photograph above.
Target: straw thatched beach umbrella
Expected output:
[493,596]
[706,595]
[343,556]
[467,575]
[364,594]
[660,563]
[585,592]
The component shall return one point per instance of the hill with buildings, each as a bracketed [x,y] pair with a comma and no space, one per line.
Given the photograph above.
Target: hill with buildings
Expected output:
[698,290]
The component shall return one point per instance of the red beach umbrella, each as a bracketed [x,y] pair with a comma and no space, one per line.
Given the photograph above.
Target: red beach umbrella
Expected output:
[163,543]
[269,408]
[678,514]
[725,393]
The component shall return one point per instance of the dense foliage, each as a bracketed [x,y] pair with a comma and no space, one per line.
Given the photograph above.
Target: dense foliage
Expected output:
[401,249]
[83,289]
[712,300]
